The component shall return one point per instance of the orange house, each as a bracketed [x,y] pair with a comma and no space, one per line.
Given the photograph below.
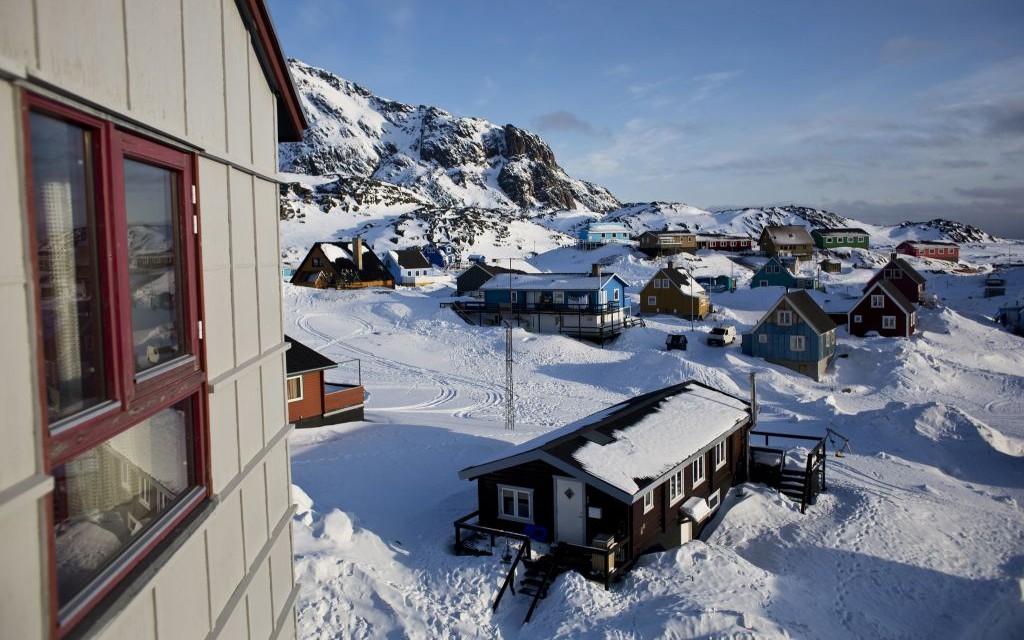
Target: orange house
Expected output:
[312,402]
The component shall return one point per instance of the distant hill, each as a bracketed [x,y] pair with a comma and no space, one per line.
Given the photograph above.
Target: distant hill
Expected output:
[406,175]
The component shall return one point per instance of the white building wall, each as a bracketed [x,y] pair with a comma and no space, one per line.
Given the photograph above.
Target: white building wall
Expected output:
[186,70]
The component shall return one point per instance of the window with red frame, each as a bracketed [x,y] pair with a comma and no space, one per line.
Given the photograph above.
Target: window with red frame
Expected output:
[121,376]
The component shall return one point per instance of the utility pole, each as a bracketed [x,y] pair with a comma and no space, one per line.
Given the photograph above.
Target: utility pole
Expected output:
[510,405]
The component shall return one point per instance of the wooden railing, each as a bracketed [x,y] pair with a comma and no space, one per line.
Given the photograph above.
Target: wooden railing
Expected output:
[525,549]
[814,468]
[343,398]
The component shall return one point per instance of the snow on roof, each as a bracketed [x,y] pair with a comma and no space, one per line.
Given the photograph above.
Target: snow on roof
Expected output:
[549,281]
[696,508]
[663,439]
[333,252]
[606,226]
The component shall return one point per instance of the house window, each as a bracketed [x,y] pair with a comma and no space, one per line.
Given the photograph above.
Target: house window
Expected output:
[784,317]
[118,297]
[652,301]
[316,262]
[559,297]
[762,338]
[515,503]
[857,319]
[720,452]
[515,297]
[657,283]
[649,501]
[797,343]
[615,295]
[877,301]
[665,283]
[294,388]
[829,240]
[675,487]
[888,322]
[715,499]
[697,471]
[763,283]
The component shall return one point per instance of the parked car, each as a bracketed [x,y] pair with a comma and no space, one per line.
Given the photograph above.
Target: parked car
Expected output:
[675,341]
[722,335]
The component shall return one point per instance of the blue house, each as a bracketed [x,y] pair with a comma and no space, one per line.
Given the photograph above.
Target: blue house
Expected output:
[796,334]
[775,274]
[582,305]
[597,234]
[441,256]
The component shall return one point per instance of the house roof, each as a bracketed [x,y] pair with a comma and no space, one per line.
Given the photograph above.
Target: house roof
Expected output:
[625,448]
[889,289]
[804,305]
[841,230]
[552,282]
[666,232]
[411,259]
[301,359]
[903,265]
[291,121]
[789,234]
[928,243]
[722,236]
[680,279]
[340,256]
[606,226]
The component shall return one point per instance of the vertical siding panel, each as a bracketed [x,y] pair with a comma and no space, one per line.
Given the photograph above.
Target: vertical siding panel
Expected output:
[214,211]
[223,436]
[274,404]
[17,33]
[82,49]
[261,618]
[137,621]
[281,573]
[264,119]
[250,415]
[243,255]
[224,552]
[236,86]
[182,601]
[18,395]
[254,514]
[204,74]
[22,606]
[156,63]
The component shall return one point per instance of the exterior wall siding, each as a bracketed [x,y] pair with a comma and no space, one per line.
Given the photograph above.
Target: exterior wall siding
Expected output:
[871,319]
[186,70]
[312,402]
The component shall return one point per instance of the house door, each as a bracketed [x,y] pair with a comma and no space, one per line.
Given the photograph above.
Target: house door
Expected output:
[569,499]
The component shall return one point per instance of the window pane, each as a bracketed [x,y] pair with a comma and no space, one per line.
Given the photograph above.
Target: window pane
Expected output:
[66,236]
[294,388]
[106,497]
[524,505]
[152,202]
[508,503]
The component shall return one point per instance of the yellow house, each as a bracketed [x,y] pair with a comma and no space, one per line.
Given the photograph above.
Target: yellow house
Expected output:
[674,291]
[144,477]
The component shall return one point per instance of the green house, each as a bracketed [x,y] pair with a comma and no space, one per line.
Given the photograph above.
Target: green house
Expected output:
[837,238]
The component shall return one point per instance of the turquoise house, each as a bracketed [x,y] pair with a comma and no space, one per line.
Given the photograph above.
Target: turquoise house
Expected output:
[774,274]
[795,333]
[596,234]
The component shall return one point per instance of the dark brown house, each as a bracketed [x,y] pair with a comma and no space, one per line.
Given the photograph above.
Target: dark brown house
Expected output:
[647,473]
[342,265]
[885,310]
[667,243]
[312,402]
[903,276]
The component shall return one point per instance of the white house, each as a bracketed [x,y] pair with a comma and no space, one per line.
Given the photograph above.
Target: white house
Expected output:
[144,474]
[410,268]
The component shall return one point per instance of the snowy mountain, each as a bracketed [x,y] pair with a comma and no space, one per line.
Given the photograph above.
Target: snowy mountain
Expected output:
[445,160]
[402,176]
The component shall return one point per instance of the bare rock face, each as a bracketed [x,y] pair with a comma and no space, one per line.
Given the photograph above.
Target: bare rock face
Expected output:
[447,161]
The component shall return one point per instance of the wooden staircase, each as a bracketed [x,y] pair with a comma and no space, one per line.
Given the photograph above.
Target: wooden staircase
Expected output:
[793,484]
[537,578]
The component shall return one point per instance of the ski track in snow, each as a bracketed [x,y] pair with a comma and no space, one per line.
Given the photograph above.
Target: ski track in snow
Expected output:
[920,534]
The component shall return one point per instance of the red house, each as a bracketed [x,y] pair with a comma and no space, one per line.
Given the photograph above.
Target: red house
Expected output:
[907,279]
[312,402]
[930,249]
[884,310]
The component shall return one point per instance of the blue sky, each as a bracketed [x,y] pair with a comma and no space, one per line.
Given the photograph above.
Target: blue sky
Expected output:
[883,111]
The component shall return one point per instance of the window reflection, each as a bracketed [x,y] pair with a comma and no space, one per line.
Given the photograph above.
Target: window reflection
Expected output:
[66,244]
[151,199]
[108,496]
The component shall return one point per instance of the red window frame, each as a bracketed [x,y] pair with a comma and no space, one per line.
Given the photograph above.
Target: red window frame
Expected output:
[132,398]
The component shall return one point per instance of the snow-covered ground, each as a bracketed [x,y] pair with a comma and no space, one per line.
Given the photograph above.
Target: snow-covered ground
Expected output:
[920,534]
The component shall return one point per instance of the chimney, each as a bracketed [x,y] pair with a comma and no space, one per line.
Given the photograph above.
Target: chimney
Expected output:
[357,250]
[892,256]
[595,270]
[671,265]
